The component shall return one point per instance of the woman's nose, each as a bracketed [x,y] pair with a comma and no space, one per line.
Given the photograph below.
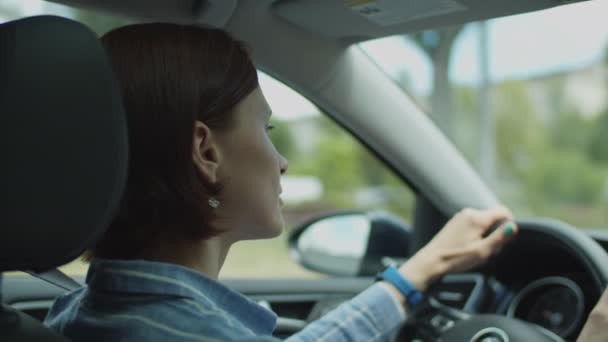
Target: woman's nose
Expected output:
[283,164]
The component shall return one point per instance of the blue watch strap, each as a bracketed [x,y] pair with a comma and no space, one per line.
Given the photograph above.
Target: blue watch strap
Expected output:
[407,289]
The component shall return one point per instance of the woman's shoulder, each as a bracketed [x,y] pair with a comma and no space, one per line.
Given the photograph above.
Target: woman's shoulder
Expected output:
[82,315]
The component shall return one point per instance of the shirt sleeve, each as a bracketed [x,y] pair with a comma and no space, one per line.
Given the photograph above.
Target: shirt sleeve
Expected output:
[373,315]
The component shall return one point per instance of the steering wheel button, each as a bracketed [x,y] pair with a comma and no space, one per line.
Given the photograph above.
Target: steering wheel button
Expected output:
[441,323]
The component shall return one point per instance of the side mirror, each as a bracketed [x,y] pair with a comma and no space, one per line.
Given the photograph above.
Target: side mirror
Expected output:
[350,243]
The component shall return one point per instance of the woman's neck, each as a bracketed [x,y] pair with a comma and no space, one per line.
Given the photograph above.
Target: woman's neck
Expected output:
[206,256]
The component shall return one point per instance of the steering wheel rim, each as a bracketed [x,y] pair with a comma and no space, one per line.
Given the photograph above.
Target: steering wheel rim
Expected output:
[586,250]
[465,326]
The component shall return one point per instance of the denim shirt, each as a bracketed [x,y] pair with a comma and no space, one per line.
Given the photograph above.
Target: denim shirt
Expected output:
[151,301]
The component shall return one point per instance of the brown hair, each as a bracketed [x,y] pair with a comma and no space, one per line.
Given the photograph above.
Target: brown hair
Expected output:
[171,75]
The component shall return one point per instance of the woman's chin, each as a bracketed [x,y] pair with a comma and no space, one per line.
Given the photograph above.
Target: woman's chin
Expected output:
[276,229]
[268,231]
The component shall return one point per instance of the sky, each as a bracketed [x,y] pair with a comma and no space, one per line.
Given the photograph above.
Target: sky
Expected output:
[561,38]
[558,39]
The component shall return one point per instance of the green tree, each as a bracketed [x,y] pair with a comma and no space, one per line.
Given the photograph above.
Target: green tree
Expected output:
[345,167]
[283,140]
[520,140]
[564,178]
[335,164]
[520,135]
[543,162]
[571,131]
[466,128]
[598,146]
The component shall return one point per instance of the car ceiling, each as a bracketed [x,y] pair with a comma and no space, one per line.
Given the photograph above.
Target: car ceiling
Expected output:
[351,20]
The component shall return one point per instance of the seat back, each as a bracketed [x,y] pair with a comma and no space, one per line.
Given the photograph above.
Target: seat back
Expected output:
[63,144]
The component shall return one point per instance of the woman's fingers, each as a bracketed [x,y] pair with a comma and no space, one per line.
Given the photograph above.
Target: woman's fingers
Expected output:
[487,218]
[479,250]
[465,258]
[462,244]
[482,219]
[502,235]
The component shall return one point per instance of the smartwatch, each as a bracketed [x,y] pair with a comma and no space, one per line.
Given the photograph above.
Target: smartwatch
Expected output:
[407,289]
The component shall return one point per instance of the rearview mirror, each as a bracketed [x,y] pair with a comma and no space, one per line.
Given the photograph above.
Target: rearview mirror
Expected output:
[350,243]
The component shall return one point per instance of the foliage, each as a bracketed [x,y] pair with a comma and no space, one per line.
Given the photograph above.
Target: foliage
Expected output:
[283,140]
[347,169]
[550,163]
[564,178]
[571,131]
[598,144]
[519,133]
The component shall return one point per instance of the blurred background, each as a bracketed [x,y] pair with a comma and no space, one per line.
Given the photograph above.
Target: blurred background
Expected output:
[524,98]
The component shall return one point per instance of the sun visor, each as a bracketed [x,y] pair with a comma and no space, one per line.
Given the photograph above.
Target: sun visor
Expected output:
[367,19]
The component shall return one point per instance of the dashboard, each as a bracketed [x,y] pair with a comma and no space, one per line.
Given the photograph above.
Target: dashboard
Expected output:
[556,303]
[535,278]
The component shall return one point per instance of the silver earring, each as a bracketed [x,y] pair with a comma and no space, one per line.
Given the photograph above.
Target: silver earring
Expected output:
[214,203]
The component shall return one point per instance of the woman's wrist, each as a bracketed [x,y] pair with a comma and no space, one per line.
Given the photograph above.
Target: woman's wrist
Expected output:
[422,270]
[393,291]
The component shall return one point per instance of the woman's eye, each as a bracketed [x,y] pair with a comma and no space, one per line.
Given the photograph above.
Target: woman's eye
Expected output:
[269,127]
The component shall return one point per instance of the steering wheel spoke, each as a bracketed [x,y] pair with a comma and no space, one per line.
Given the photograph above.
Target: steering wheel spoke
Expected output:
[430,320]
[434,321]
[435,318]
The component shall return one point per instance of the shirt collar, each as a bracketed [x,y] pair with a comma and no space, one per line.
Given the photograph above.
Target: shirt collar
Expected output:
[156,278]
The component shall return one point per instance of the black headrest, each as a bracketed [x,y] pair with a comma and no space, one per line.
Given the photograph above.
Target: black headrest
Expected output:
[63,142]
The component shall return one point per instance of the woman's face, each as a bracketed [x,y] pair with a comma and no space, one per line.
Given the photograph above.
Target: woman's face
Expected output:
[249,169]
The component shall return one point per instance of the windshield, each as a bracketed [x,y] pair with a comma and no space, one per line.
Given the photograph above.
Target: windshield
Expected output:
[524,98]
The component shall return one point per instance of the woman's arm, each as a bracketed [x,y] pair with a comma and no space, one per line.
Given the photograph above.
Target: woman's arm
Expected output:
[374,314]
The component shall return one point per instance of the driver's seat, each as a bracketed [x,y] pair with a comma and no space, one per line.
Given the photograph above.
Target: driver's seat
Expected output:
[63,143]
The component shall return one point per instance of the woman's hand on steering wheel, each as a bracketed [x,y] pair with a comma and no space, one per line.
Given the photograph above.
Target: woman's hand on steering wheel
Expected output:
[466,241]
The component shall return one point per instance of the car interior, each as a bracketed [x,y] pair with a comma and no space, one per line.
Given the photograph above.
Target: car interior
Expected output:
[78,188]
[64,140]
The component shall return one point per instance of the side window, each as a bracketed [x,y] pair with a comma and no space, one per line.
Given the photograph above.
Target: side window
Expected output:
[328,170]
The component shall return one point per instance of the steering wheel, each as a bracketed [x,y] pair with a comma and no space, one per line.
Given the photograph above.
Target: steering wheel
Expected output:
[433,321]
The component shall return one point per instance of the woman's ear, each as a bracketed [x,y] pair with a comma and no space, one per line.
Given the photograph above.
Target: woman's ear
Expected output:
[205,153]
